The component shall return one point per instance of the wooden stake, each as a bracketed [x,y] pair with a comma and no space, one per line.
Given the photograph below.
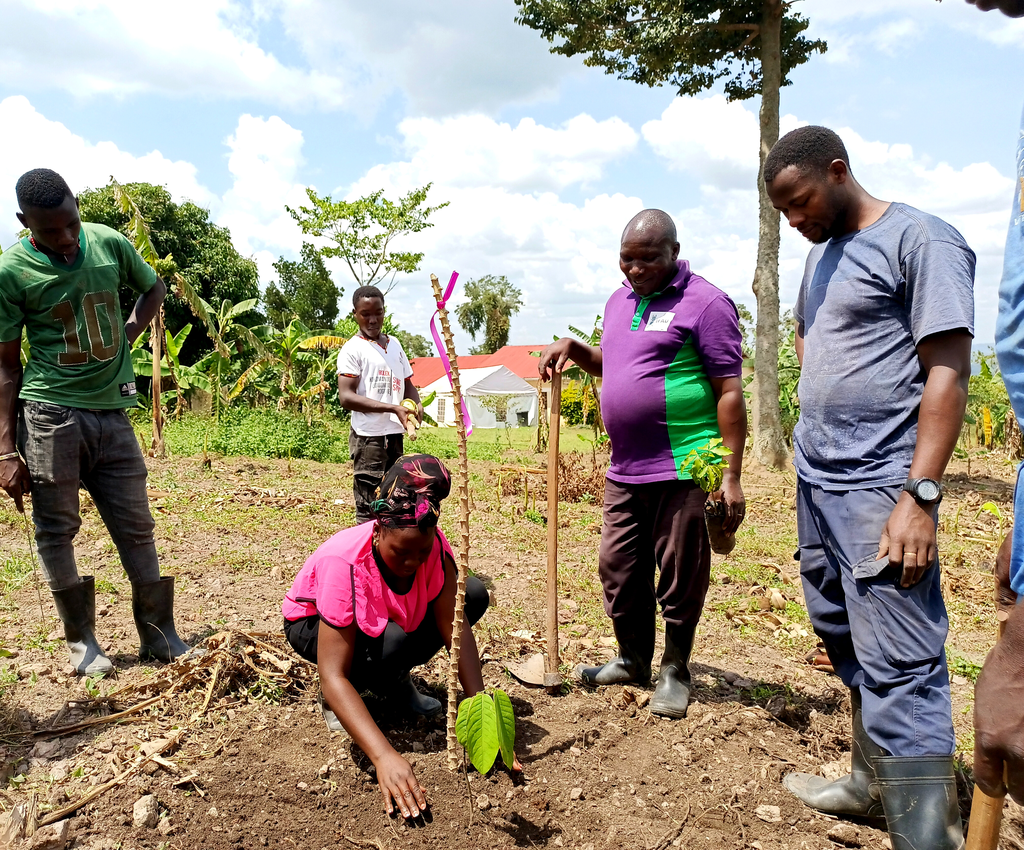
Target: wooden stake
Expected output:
[463,481]
[986,811]
[552,678]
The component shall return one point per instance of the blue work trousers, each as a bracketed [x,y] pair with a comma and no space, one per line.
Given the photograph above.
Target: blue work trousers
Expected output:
[885,640]
[68,447]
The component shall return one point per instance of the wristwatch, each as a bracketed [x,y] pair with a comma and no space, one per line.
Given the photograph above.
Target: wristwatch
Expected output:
[926,491]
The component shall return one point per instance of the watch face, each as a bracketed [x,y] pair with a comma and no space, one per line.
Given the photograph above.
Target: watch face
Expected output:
[927,490]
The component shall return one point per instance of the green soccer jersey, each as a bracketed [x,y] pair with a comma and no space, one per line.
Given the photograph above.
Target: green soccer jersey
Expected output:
[79,355]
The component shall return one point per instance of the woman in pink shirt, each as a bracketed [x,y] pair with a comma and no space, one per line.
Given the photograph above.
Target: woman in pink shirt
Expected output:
[386,592]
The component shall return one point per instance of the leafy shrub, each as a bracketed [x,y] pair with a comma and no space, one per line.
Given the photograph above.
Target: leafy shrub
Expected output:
[256,433]
[577,409]
[270,433]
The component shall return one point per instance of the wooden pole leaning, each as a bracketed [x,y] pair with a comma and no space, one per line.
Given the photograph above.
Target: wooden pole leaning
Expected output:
[463,484]
[986,811]
[552,678]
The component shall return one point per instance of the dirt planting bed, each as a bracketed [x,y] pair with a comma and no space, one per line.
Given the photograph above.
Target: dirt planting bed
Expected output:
[237,756]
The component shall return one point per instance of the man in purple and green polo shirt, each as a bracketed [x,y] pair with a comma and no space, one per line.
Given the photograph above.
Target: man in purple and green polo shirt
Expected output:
[670,359]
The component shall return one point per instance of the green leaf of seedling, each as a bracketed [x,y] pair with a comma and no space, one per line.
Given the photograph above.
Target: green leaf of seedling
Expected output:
[505,722]
[476,729]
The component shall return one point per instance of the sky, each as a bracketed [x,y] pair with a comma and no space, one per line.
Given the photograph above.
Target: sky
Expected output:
[239,105]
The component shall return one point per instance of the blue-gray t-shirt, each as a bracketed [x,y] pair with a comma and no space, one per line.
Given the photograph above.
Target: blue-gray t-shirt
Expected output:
[867,299]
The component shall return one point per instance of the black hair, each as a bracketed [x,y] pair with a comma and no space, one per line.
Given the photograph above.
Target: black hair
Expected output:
[654,221]
[366,292]
[41,188]
[808,148]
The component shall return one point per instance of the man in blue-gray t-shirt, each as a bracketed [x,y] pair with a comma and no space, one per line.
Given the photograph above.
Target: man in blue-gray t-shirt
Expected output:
[885,319]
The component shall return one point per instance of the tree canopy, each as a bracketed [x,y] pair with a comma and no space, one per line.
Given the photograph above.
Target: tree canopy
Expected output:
[687,44]
[201,250]
[415,345]
[306,291]
[492,303]
[363,231]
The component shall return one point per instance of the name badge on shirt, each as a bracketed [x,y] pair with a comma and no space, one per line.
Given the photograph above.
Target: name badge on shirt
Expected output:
[659,321]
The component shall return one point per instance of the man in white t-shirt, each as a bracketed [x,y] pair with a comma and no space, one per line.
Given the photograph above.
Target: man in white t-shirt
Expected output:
[374,376]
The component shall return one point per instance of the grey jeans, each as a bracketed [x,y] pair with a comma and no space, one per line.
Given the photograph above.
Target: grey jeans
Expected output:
[67,447]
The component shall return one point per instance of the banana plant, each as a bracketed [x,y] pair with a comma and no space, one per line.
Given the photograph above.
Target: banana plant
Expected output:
[185,378]
[294,351]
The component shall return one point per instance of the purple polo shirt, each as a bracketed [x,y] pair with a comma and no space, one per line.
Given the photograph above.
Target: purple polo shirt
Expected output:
[658,354]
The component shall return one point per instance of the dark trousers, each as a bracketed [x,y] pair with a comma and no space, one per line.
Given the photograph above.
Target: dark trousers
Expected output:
[654,524]
[379,662]
[67,448]
[883,639]
[371,458]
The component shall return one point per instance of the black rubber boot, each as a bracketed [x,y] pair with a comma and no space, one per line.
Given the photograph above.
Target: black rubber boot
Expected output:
[854,795]
[633,663]
[405,695]
[672,693]
[76,607]
[153,609]
[919,796]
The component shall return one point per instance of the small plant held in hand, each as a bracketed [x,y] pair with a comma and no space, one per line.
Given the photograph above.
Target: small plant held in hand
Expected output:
[706,465]
[485,726]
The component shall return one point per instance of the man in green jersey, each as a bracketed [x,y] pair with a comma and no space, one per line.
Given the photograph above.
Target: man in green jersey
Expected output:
[61,285]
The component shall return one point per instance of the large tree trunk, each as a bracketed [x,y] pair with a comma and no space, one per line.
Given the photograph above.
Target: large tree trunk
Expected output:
[769,444]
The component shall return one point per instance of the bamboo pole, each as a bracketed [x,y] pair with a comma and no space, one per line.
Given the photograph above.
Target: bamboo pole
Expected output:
[460,593]
[552,678]
[156,338]
[986,811]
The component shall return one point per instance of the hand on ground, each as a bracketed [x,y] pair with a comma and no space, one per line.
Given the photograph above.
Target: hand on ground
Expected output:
[398,783]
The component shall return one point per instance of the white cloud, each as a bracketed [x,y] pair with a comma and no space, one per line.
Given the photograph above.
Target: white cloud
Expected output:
[42,143]
[506,215]
[848,27]
[266,155]
[189,48]
[720,233]
[714,140]
[445,57]
[475,150]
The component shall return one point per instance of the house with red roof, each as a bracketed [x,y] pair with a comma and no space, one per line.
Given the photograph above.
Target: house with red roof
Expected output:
[518,359]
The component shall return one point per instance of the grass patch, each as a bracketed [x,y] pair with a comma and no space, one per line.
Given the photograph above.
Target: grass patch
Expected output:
[960,666]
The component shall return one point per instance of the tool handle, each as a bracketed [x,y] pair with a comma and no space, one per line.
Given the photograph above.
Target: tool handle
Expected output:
[986,811]
[555,408]
[986,817]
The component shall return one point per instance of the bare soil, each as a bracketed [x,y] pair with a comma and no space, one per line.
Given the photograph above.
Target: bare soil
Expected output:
[257,768]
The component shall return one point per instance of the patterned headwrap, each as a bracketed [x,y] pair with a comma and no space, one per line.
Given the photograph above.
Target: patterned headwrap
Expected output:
[411,492]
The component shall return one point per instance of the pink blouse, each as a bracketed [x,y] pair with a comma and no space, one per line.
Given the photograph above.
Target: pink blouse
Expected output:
[340,580]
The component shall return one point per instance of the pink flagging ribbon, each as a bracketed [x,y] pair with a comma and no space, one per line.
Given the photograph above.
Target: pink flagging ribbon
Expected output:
[444,353]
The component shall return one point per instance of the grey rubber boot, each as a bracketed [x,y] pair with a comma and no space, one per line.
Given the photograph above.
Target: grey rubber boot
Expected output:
[76,607]
[633,663]
[919,796]
[330,718]
[153,609]
[854,795]
[672,693]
